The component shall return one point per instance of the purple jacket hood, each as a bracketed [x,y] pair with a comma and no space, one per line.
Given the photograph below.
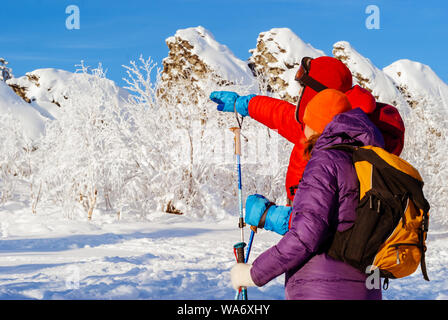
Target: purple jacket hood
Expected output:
[351,127]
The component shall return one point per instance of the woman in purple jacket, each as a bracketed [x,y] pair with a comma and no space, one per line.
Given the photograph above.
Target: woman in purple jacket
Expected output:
[325,202]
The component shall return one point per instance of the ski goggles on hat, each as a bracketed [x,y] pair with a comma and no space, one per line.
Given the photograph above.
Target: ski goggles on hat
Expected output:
[304,68]
[303,78]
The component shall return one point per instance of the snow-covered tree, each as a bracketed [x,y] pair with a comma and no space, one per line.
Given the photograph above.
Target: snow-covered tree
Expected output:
[193,147]
[83,155]
[14,145]
[165,148]
[5,71]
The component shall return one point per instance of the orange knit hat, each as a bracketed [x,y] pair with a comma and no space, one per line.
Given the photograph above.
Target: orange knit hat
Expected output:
[323,107]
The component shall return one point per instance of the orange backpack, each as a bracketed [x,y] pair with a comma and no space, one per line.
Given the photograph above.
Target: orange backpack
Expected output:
[391,225]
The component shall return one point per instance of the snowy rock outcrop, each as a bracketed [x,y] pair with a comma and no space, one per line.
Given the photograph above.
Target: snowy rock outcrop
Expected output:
[195,55]
[368,76]
[276,58]
[49,90]
[418,82]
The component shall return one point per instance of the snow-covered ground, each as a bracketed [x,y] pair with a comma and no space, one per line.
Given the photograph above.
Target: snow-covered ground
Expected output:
[47,256]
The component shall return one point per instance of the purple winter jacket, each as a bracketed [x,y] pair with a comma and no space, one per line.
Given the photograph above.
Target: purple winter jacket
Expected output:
[325,201]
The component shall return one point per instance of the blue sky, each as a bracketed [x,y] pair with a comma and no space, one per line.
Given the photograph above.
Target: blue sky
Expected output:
[33,33]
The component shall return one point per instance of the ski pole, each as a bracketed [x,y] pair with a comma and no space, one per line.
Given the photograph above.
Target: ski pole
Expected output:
[237,132]
[249,246]
[239,247]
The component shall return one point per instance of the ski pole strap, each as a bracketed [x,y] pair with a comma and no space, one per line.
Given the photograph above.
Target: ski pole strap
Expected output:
[422,236]
[263,216]
[240,122]
[239,248]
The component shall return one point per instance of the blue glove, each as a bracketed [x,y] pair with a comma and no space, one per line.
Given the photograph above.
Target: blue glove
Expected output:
[227,100]
[277,217]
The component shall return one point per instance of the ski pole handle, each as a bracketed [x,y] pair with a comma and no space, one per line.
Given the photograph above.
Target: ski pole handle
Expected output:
[239,251]
[237,132]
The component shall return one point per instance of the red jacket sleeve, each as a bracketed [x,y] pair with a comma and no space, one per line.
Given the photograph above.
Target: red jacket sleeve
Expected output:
[277,115]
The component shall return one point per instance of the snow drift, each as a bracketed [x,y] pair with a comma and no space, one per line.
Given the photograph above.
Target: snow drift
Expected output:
[32,124]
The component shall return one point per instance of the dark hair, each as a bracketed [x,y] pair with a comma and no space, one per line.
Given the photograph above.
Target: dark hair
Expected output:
[309,145]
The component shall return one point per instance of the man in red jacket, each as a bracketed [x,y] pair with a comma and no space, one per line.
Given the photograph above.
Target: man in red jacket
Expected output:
[314,75]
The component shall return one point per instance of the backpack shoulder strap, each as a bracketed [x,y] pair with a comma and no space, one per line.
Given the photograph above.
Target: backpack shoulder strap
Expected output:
[343,147]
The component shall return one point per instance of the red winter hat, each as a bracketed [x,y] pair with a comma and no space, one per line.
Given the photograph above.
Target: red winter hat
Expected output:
[388,120]
[330,72]
[361,98]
